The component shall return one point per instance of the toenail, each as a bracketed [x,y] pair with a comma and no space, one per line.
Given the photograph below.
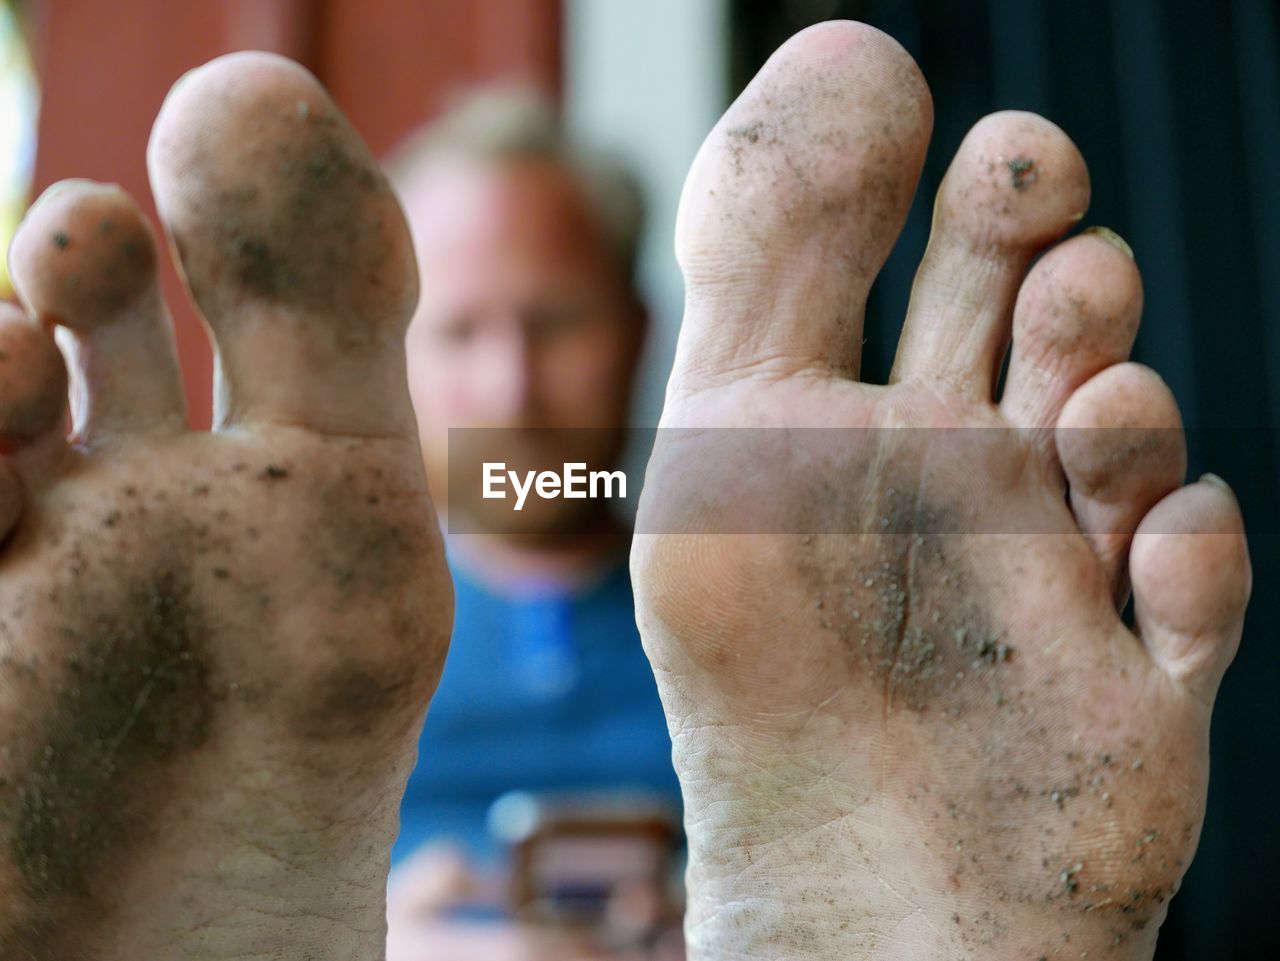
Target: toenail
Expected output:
[1111,237]
[1218,482]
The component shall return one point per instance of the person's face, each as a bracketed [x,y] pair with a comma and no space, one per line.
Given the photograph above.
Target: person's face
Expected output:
[525,318]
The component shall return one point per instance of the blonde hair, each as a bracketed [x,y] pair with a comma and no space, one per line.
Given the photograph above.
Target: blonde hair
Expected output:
[506,125]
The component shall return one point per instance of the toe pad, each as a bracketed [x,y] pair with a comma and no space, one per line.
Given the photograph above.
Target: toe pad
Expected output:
[83,254]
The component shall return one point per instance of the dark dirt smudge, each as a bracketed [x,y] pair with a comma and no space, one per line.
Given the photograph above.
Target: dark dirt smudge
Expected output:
[134,693]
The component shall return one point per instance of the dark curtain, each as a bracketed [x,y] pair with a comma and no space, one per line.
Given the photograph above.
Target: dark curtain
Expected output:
[1176,107]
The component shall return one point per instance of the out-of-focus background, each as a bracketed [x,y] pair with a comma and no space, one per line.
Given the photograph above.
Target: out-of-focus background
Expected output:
[1175,105]
[645,80]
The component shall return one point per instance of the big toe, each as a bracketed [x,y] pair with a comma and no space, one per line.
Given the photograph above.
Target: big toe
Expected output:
[794,201]
[292,245]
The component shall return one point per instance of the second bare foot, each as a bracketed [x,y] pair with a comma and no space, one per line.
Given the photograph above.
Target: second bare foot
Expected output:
[907,716]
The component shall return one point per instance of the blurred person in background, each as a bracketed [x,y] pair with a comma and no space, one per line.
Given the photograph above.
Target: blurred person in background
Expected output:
[530,322]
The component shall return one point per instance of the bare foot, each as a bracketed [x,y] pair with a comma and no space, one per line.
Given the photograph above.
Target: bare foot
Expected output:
[899,738]
[215,649]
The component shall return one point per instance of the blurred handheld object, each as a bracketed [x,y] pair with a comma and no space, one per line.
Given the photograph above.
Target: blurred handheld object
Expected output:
[608,863]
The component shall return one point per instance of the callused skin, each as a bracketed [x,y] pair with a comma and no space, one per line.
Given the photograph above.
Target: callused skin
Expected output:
[907,717]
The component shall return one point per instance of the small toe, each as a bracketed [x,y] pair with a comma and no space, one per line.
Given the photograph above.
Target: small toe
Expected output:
[1077,313]
[1122,448]
[292,245]
[1191,583]
[85,259]
[33,392]
[33,381]
[1017,183]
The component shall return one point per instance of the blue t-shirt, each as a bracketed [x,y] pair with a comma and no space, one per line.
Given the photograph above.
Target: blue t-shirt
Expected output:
[543,690]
